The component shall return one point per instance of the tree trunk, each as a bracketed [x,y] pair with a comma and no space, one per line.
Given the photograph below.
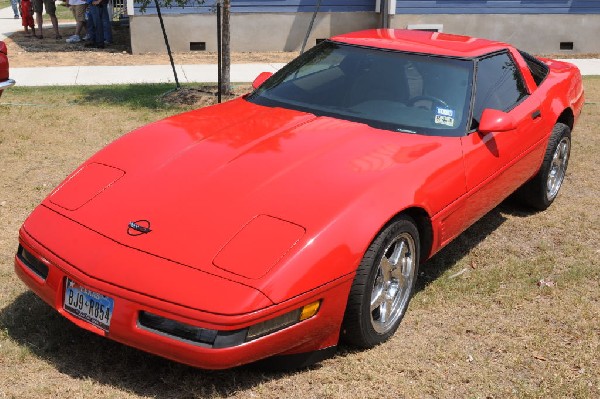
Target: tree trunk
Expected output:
[226,46]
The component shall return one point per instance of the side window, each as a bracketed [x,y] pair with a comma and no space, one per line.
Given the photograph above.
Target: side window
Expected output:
[499,85]
[538,69]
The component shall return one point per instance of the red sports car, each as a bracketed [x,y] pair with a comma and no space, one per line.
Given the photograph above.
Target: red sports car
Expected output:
[297,215]
[5,82]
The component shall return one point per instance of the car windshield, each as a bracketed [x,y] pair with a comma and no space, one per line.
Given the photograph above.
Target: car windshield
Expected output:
[398,91]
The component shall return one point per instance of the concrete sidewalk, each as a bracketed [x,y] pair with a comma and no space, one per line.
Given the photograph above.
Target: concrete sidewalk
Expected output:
[200,73]
[8,23]
[107,75]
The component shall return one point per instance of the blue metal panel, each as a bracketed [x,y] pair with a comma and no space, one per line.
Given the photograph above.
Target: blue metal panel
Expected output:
[402,6]
[264,6]
[498,7]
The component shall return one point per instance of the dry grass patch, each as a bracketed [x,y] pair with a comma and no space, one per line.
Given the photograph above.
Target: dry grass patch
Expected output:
[510,309]
[31,52]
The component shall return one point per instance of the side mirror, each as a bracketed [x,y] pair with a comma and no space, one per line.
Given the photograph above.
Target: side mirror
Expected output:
[260,79]
[493,120]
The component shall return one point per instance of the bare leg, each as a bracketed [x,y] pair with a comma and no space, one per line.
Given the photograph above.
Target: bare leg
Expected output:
[78,28]
[40,21]
[55,25]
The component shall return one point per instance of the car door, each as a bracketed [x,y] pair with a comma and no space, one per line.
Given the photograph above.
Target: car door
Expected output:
[498,162]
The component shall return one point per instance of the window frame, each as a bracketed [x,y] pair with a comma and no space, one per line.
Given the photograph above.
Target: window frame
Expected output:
[530,59]
[520,76]
[469,97]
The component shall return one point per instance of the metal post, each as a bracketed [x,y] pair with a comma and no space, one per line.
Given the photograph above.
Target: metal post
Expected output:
[312,21]
[219,55]
[385,14]
[162,25]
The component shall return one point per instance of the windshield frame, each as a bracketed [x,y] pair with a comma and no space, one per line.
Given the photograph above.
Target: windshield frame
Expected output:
[461,130]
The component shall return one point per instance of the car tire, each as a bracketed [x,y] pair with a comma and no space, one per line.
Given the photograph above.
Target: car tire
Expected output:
[383,285]
[542,189]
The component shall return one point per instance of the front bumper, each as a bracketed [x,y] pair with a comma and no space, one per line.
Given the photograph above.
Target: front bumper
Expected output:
[6,84]
[318,332]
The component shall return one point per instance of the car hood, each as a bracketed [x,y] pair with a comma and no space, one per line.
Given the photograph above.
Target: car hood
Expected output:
[232,189]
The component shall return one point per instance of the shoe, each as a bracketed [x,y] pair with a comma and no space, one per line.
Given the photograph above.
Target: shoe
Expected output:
[58,37]
[73,39]
[106,43]
[86,37]
[17,17]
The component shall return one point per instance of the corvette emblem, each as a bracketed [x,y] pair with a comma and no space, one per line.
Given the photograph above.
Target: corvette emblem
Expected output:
[138,227]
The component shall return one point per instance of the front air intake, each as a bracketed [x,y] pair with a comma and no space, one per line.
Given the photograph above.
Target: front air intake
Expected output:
[32,263]
[188,333]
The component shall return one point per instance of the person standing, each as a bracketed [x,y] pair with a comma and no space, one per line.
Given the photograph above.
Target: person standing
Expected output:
[27,17]
[50,6]
[78,8]
[15,7]
[108,39]
[97,11]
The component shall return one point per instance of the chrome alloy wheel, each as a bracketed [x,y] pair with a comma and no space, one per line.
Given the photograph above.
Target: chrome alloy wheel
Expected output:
[393,283]
[558,168]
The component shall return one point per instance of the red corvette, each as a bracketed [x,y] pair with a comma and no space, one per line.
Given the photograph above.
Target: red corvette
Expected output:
[5,82]
[295,216]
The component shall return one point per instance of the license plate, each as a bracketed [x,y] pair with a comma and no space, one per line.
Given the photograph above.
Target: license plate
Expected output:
[88,305]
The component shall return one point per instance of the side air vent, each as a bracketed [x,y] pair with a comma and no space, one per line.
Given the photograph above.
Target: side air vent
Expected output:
[566,45]
[197,46]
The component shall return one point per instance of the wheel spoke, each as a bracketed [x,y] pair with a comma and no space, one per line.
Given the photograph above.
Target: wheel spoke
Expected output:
[377,299]
[398,251]
[386,269]
[551,181]
[386,309]
[398,273]
[563,152]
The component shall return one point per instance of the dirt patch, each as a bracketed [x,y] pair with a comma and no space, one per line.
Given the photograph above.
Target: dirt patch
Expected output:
[47,52]
[201,96]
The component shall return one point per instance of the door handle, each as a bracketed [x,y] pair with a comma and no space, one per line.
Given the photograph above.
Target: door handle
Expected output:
[536,114]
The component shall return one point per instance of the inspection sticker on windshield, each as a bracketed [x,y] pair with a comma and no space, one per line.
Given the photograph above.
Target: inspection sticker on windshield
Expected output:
[444,116]
[445,112]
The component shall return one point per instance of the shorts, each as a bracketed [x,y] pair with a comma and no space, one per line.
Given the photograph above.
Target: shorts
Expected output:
[48,4]
[79,12]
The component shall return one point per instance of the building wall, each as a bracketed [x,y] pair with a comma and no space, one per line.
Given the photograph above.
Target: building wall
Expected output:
[538,26]
[249,31]
[538,34]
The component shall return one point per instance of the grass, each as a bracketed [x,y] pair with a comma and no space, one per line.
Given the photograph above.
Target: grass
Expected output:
[62,12]
[479,325]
